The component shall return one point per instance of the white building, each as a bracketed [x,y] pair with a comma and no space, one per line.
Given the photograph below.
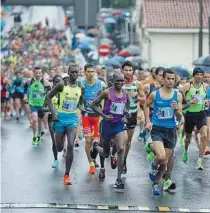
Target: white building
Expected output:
[168,31]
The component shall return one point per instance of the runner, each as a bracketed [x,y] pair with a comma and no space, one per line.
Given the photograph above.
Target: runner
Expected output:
[136,94]
[195,93]
[36,99]
[112,126]
[66,119]
[91,88]
[56,79]
[167,107]
[18,93]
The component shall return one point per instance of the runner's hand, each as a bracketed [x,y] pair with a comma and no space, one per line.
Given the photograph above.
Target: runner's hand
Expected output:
[148,125]
[174,105]
[108,117]
[194,101]
[41,91]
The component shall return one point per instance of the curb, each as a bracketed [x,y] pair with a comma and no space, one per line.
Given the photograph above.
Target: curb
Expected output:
[99,207]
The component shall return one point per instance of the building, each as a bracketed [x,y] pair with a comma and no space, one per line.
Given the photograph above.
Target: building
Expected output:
[168,31]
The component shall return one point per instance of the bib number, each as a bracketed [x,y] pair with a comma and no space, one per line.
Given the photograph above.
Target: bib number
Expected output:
[36,95]
[165,113]
[69,106]
[117,108]
[200,98]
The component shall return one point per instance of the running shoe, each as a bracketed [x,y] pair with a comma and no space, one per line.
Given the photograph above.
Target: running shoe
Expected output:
[167,184]
[185,157]
[153,172]
[147,148]
[113,162]
[55,164]
[42,133]
[199,165]
[119,185]
[95,163]
[34,141]
[67,180]
[182,142]
[155,189]
[140,136]
[102,174]
[38,140]
[76,143]
[207,151]
[92,170]
[93,151]
[150,157]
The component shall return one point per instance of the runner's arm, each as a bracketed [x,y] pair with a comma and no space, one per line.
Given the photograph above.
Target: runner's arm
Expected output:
[141,94]
[147,104]
[178,110]
[95,105]
[58,88]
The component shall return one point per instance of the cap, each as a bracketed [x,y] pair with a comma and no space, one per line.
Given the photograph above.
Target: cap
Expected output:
[64,75]
[197,70]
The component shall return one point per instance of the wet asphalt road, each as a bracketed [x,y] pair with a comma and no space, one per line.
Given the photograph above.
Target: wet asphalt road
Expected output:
[27,177]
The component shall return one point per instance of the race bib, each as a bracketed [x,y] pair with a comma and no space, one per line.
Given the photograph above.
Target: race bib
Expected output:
[69,105]
[165,113]
[117,108]
[200,98]
[36,95]
[87,105]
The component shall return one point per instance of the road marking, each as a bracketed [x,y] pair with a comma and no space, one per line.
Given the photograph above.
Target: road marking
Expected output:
[98,207]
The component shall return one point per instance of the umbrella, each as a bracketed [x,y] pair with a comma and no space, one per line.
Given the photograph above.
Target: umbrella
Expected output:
[106,41]
[124,53]
[118,58]
[80,35]
[116,12]
[202,61]
[87,40]
[84,46]
[181,71]
[113,62]
[135,50]
[205,69]
[110,20]
[93,32]
[136,59]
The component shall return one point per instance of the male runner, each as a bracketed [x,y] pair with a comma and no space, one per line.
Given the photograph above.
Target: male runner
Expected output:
[115,112]
[195,93]
[167,107]
[91,88]
[69,99]
[38,87]
[136,94]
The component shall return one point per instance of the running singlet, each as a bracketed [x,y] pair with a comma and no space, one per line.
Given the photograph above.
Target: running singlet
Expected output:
[36,98]
[115,106]
[198,93]
[68,99]
[17,85]
[163,114]
[4,88]
[208,95]
[90,94]
[133,100]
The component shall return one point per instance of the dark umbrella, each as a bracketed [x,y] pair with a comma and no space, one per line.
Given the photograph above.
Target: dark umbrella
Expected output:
[202,61]
[93,32]
[113,62]
[134,50]
[181,71]
[205,69]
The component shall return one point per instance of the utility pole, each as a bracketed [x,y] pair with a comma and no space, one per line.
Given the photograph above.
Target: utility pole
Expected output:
[99,28]
[86,14]
[200,41]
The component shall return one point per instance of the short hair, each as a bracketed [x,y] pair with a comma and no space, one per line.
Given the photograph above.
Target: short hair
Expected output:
[88,66]
[72,66]
[168,71]
[55,77]
[37,68]
[159,69]
[127,63]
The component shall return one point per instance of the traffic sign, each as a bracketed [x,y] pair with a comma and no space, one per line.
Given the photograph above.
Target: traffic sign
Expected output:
[104,50]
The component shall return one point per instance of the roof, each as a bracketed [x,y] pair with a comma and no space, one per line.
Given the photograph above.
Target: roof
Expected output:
[174,13]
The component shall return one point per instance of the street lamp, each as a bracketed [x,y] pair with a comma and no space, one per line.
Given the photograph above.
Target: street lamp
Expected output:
[200,42]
